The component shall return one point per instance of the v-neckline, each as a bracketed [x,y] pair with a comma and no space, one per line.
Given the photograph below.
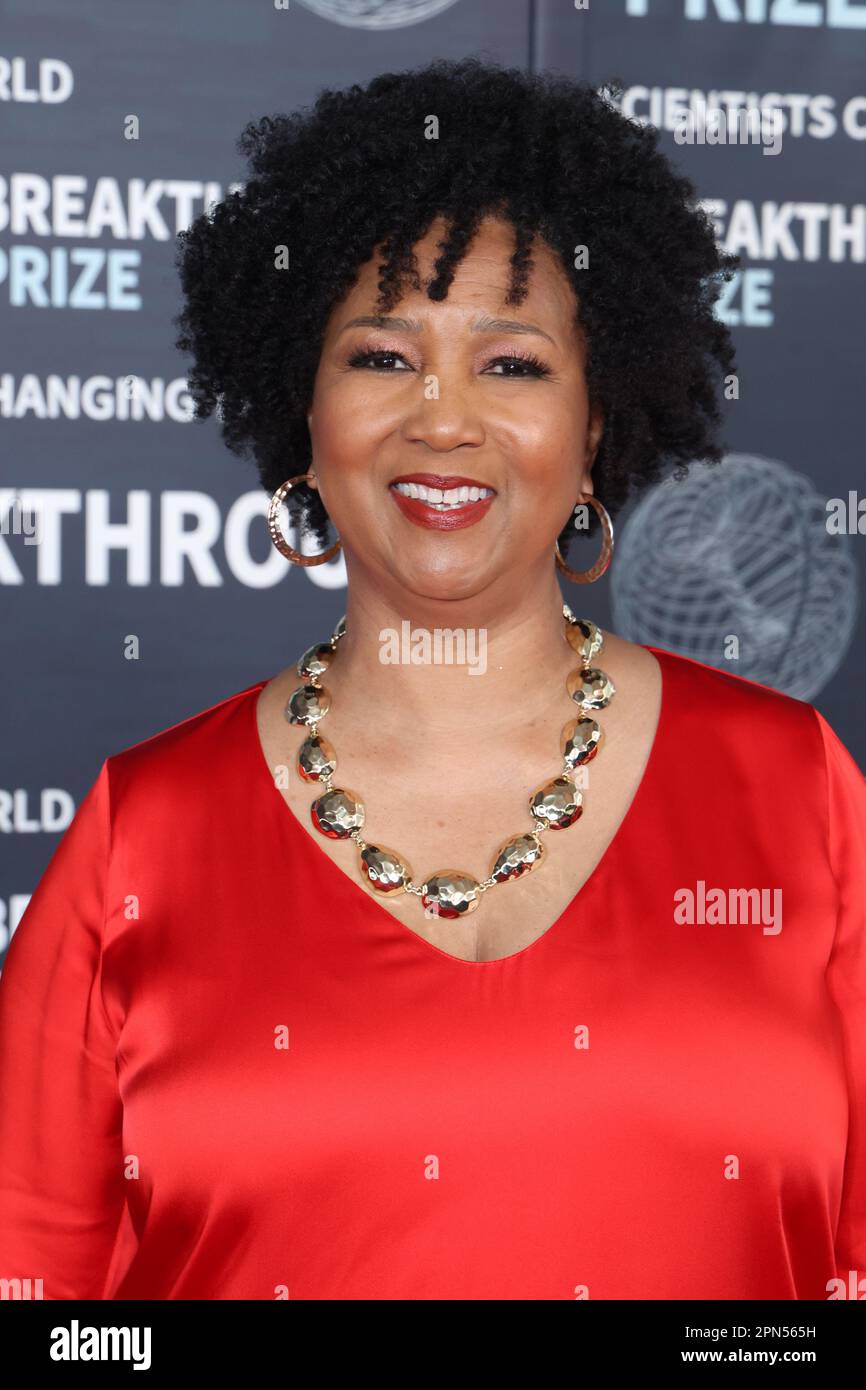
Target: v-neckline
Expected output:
[330,866]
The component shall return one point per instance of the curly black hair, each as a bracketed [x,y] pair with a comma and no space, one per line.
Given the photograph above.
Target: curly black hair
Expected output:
[553,156]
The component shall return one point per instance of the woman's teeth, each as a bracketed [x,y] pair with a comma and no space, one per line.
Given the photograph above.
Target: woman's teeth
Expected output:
[441,501]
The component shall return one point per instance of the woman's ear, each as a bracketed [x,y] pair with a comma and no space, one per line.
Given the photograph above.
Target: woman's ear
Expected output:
[594,433]
[311,476]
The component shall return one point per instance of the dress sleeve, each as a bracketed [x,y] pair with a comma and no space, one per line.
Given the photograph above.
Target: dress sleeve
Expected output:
[62,1191]
[846,980]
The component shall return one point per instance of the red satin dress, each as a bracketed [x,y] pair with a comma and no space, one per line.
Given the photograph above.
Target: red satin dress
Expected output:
[229,1073]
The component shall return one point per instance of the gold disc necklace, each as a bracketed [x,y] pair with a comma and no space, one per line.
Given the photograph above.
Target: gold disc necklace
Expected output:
[339,813]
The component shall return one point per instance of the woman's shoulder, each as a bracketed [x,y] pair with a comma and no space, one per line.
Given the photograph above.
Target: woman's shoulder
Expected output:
[718,699]
[708,689]
[746,719]
[190,751]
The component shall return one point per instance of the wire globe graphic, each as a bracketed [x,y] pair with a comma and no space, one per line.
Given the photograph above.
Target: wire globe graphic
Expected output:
[377,14]
[739,549]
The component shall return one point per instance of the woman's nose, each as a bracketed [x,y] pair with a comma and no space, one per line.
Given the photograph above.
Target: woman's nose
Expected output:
[447,411]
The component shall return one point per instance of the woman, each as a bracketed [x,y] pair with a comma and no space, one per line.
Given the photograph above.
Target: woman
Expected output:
[548,983]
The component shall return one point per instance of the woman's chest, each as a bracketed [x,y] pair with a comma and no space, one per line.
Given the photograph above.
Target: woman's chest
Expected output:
[599,1070]
[467,828]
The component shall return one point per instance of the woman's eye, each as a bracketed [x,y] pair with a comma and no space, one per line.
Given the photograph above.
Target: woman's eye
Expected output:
[528,366]
[380,359]
[375,359]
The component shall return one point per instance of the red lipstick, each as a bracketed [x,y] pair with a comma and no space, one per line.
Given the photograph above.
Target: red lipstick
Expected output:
[449,519]
[440,480]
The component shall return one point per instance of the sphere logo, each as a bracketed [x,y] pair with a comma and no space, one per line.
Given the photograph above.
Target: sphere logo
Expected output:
[377,14]
[736,560]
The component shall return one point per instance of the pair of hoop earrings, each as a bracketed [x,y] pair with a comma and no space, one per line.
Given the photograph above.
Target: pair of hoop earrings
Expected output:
[588,576]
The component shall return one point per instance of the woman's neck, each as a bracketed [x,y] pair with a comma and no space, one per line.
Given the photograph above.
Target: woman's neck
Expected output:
[448,669]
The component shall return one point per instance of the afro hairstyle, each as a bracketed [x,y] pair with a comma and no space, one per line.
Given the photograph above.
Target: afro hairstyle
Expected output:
[556,158]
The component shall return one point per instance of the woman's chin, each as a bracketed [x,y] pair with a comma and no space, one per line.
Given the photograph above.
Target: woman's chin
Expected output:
[447,581]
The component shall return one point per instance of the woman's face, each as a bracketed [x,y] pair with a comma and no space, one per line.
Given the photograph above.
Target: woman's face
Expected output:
[435,390]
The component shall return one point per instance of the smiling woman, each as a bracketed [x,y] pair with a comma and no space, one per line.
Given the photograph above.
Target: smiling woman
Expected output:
[521,1072]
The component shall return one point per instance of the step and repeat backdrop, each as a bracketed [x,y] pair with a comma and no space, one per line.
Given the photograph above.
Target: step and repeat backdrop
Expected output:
[119,126]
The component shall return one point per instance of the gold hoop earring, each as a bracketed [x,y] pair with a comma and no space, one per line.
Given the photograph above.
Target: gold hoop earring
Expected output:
[277,536]
[597,570]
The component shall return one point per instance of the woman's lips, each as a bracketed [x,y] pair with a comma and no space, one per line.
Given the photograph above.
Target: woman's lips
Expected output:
[422,514]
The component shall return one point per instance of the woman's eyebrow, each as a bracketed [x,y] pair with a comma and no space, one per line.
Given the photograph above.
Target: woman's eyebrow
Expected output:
[482,325]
